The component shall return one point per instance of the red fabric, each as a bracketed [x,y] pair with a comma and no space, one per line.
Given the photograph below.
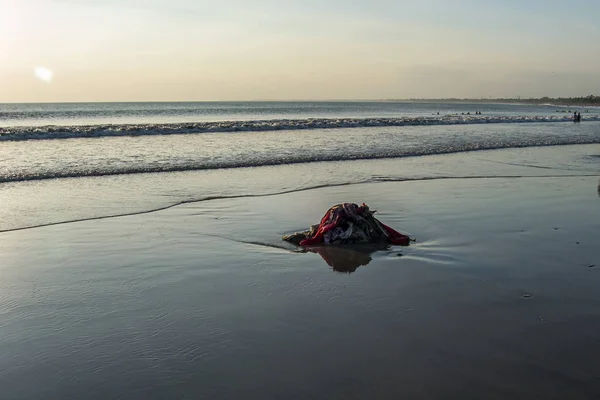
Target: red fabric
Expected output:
[396,237]
[337,214]
[332,218]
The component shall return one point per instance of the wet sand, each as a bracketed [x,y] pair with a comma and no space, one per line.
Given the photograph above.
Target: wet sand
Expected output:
[498,298]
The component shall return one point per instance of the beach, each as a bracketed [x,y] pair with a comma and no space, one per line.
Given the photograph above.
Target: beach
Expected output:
[152,265]
[299,200]
[497,298]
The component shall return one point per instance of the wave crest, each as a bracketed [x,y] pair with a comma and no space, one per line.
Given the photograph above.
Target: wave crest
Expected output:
[108,130]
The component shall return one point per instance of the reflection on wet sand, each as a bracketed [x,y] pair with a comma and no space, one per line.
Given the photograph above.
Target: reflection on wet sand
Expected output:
[346,259]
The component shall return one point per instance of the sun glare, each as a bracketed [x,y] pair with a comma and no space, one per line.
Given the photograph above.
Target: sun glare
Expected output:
[43,74]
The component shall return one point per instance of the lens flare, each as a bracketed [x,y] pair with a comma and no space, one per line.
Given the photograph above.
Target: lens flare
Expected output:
[43,74]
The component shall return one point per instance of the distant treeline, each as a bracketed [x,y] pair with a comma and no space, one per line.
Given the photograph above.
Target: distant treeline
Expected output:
[590,100]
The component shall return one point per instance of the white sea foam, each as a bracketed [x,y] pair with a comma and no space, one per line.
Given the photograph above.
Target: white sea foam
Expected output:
[45,159]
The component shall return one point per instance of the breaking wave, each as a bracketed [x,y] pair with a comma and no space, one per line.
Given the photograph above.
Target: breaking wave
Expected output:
[108,130]
[262,161]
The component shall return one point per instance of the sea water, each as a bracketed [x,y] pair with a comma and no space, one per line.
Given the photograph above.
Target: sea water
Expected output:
[121,158]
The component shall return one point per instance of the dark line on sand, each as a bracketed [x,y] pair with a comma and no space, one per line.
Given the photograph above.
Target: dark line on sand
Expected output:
[536,166]
[177,204]
[290,191]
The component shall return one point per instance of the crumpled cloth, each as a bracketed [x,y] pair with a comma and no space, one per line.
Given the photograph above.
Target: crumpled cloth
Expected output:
[348,223]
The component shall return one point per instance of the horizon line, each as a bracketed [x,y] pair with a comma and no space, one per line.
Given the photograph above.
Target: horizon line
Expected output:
[478,99]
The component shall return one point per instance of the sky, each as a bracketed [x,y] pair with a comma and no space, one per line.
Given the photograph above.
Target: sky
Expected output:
[197,50]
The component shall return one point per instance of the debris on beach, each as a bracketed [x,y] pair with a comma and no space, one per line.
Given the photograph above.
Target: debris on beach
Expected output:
[348,223]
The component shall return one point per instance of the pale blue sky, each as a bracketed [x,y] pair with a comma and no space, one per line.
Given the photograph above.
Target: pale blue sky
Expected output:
[113,50]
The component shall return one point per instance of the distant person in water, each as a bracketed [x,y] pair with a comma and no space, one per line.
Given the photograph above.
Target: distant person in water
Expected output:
[578,117]
[575,116]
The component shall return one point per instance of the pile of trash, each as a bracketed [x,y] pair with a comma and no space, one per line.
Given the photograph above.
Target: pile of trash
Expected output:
[348,223]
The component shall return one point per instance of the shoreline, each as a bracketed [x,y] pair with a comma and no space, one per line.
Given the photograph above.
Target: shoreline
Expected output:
[250,196]
[45,204]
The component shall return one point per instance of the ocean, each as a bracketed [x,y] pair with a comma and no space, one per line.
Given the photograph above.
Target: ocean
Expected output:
[118,141]
[140,114]
[141,251]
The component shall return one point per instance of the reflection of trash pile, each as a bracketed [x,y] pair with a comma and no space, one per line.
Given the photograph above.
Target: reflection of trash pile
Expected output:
[348,223]
[345,259]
